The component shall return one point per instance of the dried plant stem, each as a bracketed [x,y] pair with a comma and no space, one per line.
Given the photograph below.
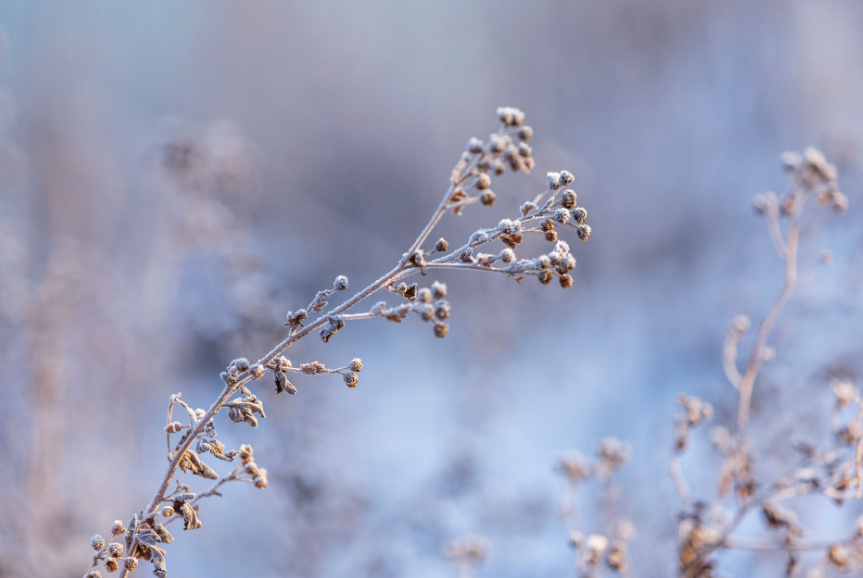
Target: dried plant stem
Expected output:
[678,478]
[747,382]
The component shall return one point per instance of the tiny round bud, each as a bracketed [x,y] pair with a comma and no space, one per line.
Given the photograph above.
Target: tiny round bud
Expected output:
[341,283]
[111,565]
[167,511]
[525,132]
[474,146]
[525,150]
[257,371]
[579,214]
[242,364]
[583,232]
[552,180]
[424,295]
[94,574]
[173,427]
[117,527]
[440,329]
[478,238]
[442,309]
[551,236]
[568,199]
[741,323]
[438,290]
[97,542]
[426,312]
[495,144]
[115,549]
[561,216]
[566,281]
[356,365]
[351,380]
[482,182]
[246,452]
[507,255]
[487,198]
[566,178]
[131,563]
[441,245]
[545,277]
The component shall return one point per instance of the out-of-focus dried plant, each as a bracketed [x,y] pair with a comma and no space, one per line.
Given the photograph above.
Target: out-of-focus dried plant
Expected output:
[708,526]
[145,535]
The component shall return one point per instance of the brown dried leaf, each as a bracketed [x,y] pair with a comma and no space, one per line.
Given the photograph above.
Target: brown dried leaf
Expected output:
[191,462]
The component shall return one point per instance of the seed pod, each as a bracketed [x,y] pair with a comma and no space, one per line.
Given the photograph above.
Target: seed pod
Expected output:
[411,292]
[561,216]
[242,364]
[131,563]
[583,232]
[566,178]
[341,283]
[426,312]
[525,132]
[487,198]
[167,511]
[474,146]
[440,329]
[547,225]
[351,380]
[111,565]
[566,281]
[117,527]
[246,452]
[568,199]
[438,290]
[551,236]
[97,542]
[173,427]
[94,574]
[441,245]
[482,182]
[257,371]
[356,365]
[545,277]
[115,549]
[579,214]
[442,310]
[525,150]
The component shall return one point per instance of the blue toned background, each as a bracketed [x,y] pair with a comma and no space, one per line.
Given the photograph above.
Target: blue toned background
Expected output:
[331,128]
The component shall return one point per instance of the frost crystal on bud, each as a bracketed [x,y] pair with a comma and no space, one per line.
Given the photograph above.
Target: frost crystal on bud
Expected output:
[561,216]
[438,290]
[478,238]
[97,542]
[341,283]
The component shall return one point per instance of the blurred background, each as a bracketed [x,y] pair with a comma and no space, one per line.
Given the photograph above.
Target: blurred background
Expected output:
[177,176]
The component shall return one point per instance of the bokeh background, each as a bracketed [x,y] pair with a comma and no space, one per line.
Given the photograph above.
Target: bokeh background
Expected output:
[321,136]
